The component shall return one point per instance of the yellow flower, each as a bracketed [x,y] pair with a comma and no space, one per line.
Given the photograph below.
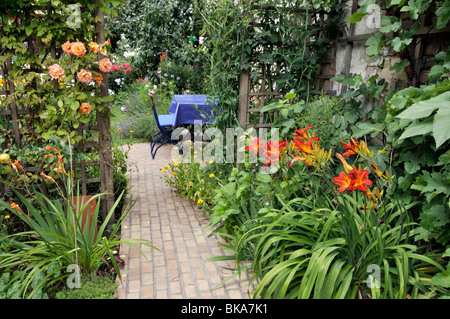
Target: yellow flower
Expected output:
[175,164]
[211,175]
[131,131]
[7,216]
[190,183]
[174,173]
[167,166]
[119,129]
[164,170]
[211,161]
[200,201]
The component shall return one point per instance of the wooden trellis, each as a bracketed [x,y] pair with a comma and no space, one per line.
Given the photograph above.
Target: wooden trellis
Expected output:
[267,81]
[15,115]
[427,42]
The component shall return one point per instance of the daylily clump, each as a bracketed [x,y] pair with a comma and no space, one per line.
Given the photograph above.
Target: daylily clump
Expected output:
[306,148]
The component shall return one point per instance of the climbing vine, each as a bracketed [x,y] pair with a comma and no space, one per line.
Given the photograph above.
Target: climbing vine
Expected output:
[275,43]
[396,32]
[55,66]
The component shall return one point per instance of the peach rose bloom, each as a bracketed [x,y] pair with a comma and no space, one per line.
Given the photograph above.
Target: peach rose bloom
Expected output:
[78,49]
[85,108]
[55,71]
[67,47]
[94,46]
[98,78]
[105,65]
[84,76]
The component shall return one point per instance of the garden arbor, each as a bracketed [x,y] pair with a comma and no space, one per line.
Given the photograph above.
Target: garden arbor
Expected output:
[67,111]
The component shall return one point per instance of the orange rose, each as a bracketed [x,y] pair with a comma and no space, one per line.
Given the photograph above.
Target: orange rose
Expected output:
[67,47]
[105,65]
[78,49]
[55,71]
[98,78]
[94,47]
[84,76]
[85,108]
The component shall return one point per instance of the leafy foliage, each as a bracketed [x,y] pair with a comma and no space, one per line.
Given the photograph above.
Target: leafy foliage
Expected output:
[393,34]
[152,27]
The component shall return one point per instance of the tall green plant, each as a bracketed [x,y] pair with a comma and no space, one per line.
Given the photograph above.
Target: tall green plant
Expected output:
[61,236]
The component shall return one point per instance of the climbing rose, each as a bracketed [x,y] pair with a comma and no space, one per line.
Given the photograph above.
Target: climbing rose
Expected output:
[105,65]
[85,108]
[67,47]
[84,76]
[94,47]
[55,71]
[98,78]
[78,49]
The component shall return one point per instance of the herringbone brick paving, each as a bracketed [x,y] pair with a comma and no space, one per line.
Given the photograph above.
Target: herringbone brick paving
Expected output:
[177,227]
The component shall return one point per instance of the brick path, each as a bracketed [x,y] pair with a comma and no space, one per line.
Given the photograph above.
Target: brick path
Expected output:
[176,226]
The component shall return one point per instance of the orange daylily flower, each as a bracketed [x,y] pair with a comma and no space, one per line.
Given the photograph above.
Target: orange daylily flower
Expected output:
[347,166]
[304,147]
[356,179]
[60,168]
[356,147]
[342,180]
[51,148]
[351,147]
[377,171]
[359,180]
[15,206]
[16,166]
[47,177]
[303,133]
[272,152]
[255,146]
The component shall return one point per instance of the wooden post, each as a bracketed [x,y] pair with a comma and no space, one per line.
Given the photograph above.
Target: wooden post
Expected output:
[104,137]
[244,88]
[418,52]
[349,48]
